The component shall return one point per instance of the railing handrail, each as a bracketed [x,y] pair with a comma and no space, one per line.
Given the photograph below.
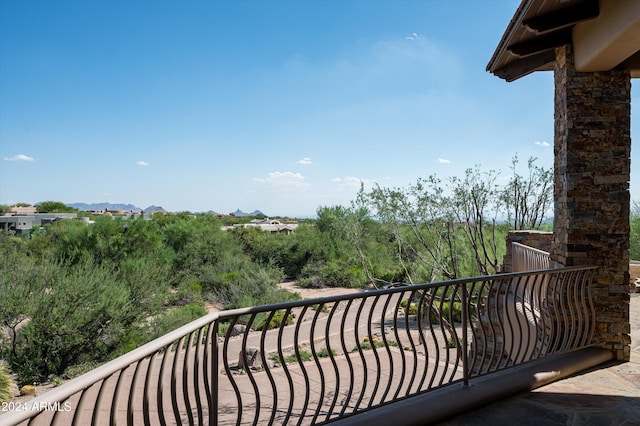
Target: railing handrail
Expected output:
[110,368]
[529,248]
[527,258]
[392,290]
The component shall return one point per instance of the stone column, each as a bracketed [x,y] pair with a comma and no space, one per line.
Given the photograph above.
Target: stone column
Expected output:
[592,147]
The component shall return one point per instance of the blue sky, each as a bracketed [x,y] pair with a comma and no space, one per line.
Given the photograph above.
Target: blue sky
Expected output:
[281,106]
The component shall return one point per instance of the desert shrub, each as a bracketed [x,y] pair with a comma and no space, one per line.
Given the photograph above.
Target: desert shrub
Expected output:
[446,312]
[278,319]
[368,344]
[451,342]
[334,273]
[78,370]
[175,318]
[325,353]
[452,310]
[410,308]
[634,249]
[292,358]
[6,382]
[303,354]
[75,315]
[322,307]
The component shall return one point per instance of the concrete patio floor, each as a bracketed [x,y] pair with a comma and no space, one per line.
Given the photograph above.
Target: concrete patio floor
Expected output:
[608,395]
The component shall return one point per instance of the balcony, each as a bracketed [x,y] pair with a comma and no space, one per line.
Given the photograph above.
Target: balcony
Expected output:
[606,395]
[381,355]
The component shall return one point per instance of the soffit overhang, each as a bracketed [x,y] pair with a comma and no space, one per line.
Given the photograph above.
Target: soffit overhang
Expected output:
[605,35]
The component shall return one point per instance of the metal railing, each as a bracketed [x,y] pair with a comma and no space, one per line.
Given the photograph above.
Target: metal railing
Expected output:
[316,361]
[526,258]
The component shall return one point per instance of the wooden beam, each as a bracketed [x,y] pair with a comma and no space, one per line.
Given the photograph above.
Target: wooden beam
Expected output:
[602,44]
[632,63]
[563,18]
[541,43]
[521,67]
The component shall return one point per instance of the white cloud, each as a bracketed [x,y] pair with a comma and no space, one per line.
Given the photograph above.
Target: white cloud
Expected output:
[142,163]
[305,160]
[414,37]
[443,161]
[351,182]
[283,180]
[542,143]
[19,157]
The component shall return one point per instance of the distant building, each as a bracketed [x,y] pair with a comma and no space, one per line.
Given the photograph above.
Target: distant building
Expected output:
[125,214]
[268,225]
[23,210]
[22,224]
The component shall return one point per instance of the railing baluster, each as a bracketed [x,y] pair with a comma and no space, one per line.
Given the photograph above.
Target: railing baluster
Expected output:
[287,374]
[211,372]
[454,331]
[160,392]
[174,379]
[314,354]
[77,413]
[465,314]
[307,386]
[196,374]
[116,393]
[185,378]
[145,396]
[387,347]
[332,357]
[248,371]
[132,391]
[347,397]
[403,358]
[227,369]
[96,411]
[263,358]
[365,369]
[373,341]
[412,344]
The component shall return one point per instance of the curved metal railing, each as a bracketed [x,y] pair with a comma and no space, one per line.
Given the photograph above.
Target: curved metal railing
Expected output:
[526,258]
[315,361]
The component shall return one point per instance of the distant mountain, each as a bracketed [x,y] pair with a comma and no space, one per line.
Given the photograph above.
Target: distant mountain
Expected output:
[155,209]
[150,209]
[102,206]
[240,213]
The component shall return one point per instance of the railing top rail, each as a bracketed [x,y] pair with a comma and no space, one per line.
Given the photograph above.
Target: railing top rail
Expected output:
[533,249]
[88,379]
[391,290]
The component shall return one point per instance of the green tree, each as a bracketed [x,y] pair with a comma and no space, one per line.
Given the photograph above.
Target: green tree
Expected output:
[634,249]
[438,226]
[19,280]
[528,199]
[54,207]
[74,318]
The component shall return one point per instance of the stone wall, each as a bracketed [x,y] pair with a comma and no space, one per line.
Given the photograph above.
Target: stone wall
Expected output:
[592,146]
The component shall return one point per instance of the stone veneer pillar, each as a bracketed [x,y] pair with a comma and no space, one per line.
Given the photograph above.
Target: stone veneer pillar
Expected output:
[592,171]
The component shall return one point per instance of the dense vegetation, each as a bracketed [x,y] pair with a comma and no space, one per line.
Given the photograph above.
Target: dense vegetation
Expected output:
[75,294]
[634,252]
